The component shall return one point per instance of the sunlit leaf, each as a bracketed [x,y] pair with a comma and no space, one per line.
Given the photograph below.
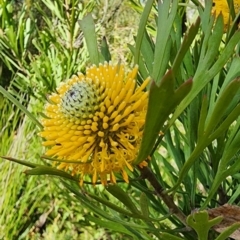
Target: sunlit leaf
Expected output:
[158,111]
[88,28]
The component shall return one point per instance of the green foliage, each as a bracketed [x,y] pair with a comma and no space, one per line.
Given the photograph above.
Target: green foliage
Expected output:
[41,51]
[88,28]
[191,132]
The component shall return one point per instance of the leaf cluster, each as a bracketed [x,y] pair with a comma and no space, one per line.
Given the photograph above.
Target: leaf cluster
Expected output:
[191,134]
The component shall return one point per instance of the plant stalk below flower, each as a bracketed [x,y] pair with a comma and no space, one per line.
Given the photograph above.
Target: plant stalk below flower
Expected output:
[168,200]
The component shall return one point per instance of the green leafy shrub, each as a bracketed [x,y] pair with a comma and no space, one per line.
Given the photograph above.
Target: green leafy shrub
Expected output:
[191,134]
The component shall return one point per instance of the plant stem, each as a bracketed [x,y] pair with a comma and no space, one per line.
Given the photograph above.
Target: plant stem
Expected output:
[168,200]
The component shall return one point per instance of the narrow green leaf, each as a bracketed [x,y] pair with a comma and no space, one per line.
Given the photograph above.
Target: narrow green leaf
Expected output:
[110,205]
[147,50]
[182,91]
[236,193]
[167,11]
[20,106]
[109,225]
[88,27]
[139,233]
[202,118]
[105,50]
[82,197]
[205,14]
[214,93]
[227,233]
[227,122]
[144,205]
[221,105]
[141,29]
[44,170]
[168,236]
[233,72]
[123,197]
[158,111]
[142,66]
[187,41]
[64,160]
[22,162]
[213,43]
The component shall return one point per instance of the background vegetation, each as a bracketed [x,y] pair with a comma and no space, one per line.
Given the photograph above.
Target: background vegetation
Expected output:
[191,132]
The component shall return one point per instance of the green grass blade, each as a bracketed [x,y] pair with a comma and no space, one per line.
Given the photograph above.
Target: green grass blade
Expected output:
[20,106]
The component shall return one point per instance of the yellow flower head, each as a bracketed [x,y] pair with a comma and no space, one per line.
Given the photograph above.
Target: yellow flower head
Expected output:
[95,122]
[221,6]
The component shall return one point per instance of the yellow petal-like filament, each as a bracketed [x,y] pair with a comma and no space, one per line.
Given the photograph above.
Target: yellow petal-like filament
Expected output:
[94,127]
[105,126]
[128,121]
[101,134]
[94,178]
[87,132]
[110,109]
[122,106]
[125,176]
[114,114]
[115,127]
[113,178]
[48,143]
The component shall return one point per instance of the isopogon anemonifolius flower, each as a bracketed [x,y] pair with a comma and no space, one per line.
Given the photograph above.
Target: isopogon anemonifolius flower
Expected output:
[94,122]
